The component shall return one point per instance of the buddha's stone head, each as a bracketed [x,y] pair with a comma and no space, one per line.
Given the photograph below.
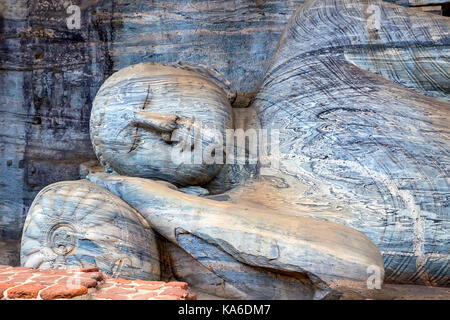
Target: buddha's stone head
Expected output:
[148,119]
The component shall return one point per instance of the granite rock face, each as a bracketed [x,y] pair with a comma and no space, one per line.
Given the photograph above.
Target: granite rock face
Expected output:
[78,224]
[364,124]
[54,126]
[147,119]
[50,74]
[260,253]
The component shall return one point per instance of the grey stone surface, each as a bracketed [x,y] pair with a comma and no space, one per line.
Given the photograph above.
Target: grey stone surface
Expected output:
[411,252]
[251,248]
[49,74]
[357,148]
[148,119]
[77,224]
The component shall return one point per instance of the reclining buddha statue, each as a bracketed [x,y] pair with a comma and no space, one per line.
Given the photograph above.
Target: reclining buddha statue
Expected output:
[356,109]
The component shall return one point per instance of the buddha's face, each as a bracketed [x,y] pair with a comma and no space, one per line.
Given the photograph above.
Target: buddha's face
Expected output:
[146,119]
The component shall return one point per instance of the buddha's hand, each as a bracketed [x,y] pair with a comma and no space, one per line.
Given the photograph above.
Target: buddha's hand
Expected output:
[326,252]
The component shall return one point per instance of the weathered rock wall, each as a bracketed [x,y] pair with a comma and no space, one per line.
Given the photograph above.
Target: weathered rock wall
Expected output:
[49,74]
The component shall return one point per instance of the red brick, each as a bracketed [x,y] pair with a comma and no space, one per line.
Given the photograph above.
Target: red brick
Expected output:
[23,273]
[149,287]
[54,273]
[88,282]
[26,291]
[47,274]
[23,268]
[6,285]
[45,271]
[66,284]
[175,292]
[83,281]
[94,275]
[138,281]
[6,272]
[110,296]
[119,290]
[46,279]
[191,296]
[20,278]
[40,283]
[59,291]
[121,281]
[93,269]
[104,285]
[145,296]
[182,285]
[167,298]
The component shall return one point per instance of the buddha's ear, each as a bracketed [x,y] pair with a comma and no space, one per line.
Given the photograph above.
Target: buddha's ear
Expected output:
[214,76]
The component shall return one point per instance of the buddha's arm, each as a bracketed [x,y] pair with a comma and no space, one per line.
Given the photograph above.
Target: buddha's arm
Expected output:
[326,252]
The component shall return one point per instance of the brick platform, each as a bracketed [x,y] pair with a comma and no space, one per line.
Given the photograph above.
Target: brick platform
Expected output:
[87,284]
